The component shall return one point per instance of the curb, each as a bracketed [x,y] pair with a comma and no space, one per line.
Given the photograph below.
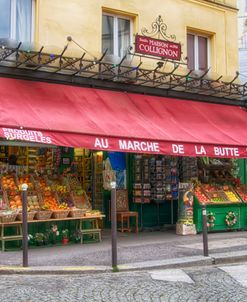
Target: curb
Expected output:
[54,270]
[231,257]
[213,259]
[165,264]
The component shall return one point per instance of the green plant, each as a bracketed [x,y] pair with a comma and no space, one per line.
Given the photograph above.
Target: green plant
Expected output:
[39,238]
[115,269]
[77,235]
[65,233]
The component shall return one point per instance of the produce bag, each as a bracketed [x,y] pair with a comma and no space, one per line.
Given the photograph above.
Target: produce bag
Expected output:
[108,175]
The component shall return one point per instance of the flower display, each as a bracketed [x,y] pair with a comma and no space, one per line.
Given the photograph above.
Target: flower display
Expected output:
[211,220]
[231,219]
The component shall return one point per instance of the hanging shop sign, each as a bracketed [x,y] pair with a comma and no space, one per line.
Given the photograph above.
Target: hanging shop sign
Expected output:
[158,48]
[124,144]
[166,48]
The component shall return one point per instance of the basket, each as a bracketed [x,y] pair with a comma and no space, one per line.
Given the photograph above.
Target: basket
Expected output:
[34,196]
[30,216]
[81,201]
[76,213]
[59,214]
[43,215]
[7,217]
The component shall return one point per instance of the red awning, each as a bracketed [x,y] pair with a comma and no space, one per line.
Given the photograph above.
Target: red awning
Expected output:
[117,121]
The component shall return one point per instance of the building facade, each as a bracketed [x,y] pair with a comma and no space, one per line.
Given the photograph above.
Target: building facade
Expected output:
[56,34]
[207,30]
[242,39]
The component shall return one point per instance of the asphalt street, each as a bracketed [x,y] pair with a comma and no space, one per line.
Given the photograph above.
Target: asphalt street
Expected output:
[219,284]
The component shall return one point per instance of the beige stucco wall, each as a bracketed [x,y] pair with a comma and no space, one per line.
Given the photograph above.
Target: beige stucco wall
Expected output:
[81,19]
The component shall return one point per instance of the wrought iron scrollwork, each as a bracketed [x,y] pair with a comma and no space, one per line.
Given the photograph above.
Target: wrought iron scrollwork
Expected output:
[158,28]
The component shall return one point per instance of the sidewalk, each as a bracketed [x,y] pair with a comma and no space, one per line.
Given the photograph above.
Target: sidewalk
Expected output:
[145,250]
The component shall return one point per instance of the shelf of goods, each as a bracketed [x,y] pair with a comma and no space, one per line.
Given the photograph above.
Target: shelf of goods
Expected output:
[155,187]
[224,207]
[141,185]
[98,183]
[55,198]
[48,198]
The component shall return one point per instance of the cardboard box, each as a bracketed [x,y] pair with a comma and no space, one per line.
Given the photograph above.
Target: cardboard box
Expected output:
[183,229]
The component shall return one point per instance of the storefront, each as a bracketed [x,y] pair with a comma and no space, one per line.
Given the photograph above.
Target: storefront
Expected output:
[71,125]
[157,140]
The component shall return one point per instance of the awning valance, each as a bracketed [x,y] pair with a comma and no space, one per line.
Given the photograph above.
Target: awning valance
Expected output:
[117,121]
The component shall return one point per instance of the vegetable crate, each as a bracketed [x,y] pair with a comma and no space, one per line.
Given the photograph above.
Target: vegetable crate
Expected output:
[220,211]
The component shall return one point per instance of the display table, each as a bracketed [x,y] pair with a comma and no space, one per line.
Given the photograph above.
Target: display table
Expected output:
[92,219]
[220,211]
[220,202]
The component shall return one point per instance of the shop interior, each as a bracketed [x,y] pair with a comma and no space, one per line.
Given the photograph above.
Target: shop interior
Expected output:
[69,183]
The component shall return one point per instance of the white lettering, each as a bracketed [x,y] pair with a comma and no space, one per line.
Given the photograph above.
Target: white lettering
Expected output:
[137,145]
[130,146]
[143,146]
[200,151]
[178,149]
[26,135]
[226,152]
[97,143]
[101,143]
[48,140]
[150,147]
[122,144]
[156,147]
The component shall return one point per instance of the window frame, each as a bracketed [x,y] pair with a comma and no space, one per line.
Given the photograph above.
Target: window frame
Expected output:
[196,48]
[115,30]
[13,19]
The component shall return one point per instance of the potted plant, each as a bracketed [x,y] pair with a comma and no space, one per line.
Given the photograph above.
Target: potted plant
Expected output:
[65,235]
[54,233]
[77,236]
[39,238]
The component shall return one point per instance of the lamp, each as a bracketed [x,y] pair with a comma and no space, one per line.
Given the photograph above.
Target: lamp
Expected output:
[160,64]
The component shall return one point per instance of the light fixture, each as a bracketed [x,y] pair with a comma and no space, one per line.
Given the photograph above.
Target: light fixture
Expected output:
[160,64]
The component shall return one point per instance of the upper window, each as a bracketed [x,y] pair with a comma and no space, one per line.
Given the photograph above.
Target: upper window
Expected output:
[16,19]
[197,52]
[116,34]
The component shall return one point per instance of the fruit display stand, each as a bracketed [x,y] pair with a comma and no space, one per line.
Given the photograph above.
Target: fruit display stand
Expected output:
[47,204]
[223,208]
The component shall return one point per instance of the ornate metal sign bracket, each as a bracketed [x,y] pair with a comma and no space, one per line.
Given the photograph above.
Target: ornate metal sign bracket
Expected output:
[159,29]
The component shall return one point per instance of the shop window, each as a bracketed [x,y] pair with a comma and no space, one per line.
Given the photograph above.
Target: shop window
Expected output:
[116,34]
[16,19]
[197,52]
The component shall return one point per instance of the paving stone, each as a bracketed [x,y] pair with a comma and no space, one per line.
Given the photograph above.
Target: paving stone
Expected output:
[173,275]
[209,284]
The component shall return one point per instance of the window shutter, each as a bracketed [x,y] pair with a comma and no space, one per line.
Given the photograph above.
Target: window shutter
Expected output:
[191,51]
[202,53]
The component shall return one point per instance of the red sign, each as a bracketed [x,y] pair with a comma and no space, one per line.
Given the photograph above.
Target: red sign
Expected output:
[158,48]
[124,144]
